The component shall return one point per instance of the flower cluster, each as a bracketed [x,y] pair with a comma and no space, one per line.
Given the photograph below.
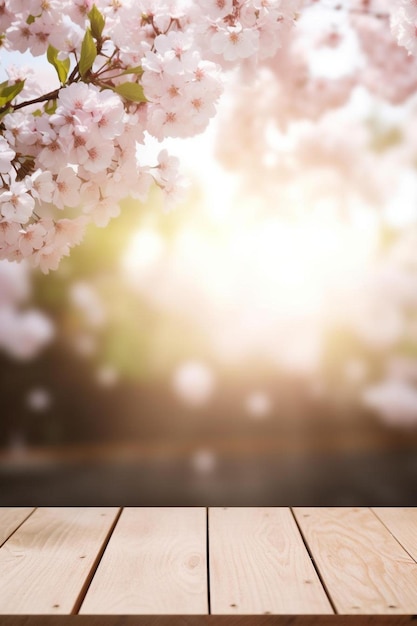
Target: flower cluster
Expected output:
[124,70]
[389,71]
[242,29]
[403,24]
[321,79]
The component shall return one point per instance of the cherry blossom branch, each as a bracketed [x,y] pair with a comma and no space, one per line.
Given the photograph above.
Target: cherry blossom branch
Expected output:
[52,95]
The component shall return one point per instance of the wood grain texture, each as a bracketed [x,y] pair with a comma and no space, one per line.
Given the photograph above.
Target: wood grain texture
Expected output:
[208,620]
[155,563]
[259,564]
[46,562]
[402,523]
[364,568]
[10,519]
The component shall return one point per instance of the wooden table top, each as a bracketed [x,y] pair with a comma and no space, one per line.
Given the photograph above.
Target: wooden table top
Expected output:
[222,561]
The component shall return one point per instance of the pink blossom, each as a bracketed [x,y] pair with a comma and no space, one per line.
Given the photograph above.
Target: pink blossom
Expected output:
[103,211]
[167,167]
[235,42]
[31,238]
[99,155]
[19,37]
[216,9]
[69,232]
[6,16]
[79,150]
[78,10]
[16,204]
[67,36]
[20,130]
[108,116]
[9,232]
[7,154]
[40,32]
[41,185]
[49,257]
[67,189]
[76,99]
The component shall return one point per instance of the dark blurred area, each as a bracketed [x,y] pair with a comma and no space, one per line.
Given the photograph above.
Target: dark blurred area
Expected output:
[138,445]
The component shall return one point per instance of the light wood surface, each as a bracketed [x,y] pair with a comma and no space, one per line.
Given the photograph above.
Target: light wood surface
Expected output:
[154,564]
[272,565]
[259,564]
[364,567]
[10,520]
[208,620]
[402,523]
[46,562]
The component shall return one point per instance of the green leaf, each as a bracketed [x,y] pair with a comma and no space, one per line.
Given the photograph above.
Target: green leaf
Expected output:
[5,112]
[131,91]
[51,106]
[97,22]
[62,67]
[88,53]
[8,92]
[30,19]
[133,70]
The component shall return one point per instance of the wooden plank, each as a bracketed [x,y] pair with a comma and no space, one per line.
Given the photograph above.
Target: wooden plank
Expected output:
[402,523]
[208,620]
[364,568]
[155,563]
[46,562]
[259,564]
[10,519]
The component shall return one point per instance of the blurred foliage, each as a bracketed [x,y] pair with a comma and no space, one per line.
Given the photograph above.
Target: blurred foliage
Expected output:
[138,341]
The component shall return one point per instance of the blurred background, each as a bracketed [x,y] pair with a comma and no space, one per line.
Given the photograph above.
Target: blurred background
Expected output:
[257,345]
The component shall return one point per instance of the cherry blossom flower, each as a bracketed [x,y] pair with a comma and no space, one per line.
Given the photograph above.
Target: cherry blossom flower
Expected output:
[49,256]
[68,232]
[31,239]
[167,166]
[16,203]
[7,155]
[67,186]
[235,42]
[103,211]
[20,130]
[217,9]
[41,185]
[129,69]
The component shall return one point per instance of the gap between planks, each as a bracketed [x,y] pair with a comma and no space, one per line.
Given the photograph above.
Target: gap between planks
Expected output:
[155,563]
[367,571]
[307,547]
[398,539]
[11,519]
[94,567]
[45,563]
